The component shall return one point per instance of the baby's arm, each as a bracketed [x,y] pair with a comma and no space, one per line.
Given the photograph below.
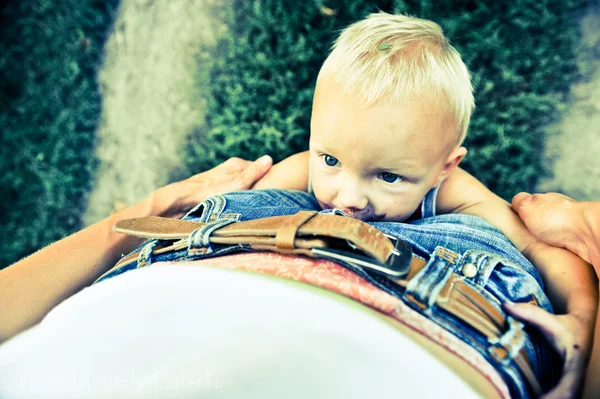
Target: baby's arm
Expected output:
[571,284]
[289,174]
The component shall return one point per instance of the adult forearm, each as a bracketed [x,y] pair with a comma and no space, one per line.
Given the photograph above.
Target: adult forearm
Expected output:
[571,283]
[30,288]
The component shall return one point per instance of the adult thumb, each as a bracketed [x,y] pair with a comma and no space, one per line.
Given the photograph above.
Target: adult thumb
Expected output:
[518,199]
[255,171]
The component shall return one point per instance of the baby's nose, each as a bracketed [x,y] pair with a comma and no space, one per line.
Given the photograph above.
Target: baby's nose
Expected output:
[351,202]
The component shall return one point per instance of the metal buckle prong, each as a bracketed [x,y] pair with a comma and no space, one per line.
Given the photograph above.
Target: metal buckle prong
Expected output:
[393,240]
[391,237]
[355,260]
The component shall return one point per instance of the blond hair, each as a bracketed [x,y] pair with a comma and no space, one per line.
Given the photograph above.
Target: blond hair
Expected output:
[395,57]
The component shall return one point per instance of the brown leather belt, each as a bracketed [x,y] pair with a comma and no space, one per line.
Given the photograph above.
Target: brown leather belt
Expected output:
[336,238]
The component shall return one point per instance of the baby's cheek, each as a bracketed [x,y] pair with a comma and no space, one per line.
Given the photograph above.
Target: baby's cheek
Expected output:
[322,196]
[397,210]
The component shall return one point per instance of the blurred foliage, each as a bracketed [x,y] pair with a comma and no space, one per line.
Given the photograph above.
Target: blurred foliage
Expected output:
[49,111]
[520,54]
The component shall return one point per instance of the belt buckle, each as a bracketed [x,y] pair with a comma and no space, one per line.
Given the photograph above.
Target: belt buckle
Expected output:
[401,257]
[397,265]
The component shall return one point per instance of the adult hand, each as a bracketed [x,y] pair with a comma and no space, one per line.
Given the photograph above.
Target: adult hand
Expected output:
[569,335]
[554,219]
[235,174]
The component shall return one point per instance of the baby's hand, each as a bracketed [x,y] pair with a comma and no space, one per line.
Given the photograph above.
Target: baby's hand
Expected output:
[571,337]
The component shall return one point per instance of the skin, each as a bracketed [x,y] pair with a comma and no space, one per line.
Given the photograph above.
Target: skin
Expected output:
[377,162]
[422,131]
[32,287]
[563,222]
[383,166]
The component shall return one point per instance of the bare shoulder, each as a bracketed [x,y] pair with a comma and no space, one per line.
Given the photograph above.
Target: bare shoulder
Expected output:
[461,191]
[289,174]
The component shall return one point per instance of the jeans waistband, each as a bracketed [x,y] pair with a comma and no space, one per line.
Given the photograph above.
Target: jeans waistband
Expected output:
[455,246]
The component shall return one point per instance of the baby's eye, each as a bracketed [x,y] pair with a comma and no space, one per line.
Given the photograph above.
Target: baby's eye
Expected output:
[330,161]
[390,177]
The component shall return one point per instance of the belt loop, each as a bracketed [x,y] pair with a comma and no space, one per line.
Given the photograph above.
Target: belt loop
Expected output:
[424,288]
[211,209]
[506,347]
[198,241]
[145,256]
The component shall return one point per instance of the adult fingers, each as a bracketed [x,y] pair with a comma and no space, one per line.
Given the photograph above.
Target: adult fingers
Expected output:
[234,164]
[252,172]
[235,172]
[572,376]
[558,336]
[547,323]
[232,175]
[567,387]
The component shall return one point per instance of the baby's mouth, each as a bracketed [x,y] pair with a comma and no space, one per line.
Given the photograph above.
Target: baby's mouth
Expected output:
[362,214]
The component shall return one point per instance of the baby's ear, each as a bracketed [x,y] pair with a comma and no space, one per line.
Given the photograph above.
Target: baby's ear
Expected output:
[451,163]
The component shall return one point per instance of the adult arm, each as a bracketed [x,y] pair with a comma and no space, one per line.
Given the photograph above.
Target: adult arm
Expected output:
[570,282]
[30,288]
[563,222]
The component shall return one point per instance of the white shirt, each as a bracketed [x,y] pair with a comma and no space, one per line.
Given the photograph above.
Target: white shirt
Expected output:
[175,331]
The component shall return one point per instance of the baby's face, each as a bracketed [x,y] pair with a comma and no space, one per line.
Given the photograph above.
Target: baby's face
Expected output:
[376,163]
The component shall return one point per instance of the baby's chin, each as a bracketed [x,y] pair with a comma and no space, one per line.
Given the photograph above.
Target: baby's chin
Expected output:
[368,215]
[379,218]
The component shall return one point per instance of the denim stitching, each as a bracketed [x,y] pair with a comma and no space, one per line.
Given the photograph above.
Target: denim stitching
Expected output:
[425,287]
[216,207]
[145,257]
[235,216]
[506,347]
[198,241]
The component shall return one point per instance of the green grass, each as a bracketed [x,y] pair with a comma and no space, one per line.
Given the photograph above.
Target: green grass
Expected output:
[520,53]
[49,110]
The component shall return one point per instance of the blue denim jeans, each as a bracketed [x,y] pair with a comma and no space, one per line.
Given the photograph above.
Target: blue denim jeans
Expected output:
[503,274]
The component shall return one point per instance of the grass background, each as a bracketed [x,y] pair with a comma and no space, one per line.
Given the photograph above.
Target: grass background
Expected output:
[520,53]
[49,111]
